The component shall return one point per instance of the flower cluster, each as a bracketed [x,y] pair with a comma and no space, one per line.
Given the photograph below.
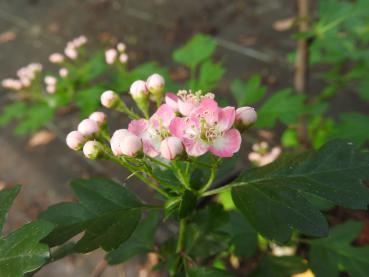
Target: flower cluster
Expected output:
[262,154]
[186,123]
[26,75]
[116,54]
[73,46]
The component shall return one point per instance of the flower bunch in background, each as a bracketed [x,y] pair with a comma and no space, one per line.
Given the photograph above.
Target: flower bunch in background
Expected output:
[117,54]
[26,77]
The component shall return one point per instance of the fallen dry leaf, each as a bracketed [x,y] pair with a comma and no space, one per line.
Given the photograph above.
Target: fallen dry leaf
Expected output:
[7,36]
[283,24]
[40,138]
[307,273]
[247,40]
[2,185]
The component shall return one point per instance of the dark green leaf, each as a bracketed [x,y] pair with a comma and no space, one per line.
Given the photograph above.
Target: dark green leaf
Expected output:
[141,241]
[279,266]
[248,92]
[7,197]
[209,76]
[195,51]
[208,272]
[353,126]
[107,212]
[335,253]
[21,252]
[187,204]
[284,106]
[272,197]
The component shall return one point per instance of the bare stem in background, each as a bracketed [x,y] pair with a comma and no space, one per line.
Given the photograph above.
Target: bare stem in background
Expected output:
[302,64]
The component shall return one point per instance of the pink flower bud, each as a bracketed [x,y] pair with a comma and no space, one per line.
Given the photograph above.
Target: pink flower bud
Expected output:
[50,80]
[71,52]
[11,84]
[171,147]
[88,127]
[56,58]
[123,58]
[138,90]
[121,47]
[75,140]
[98,117]
[110,56]
[92,149]
[246,116]
[63,72]
[50,89]
[109,98]
[125,143]
[155,83]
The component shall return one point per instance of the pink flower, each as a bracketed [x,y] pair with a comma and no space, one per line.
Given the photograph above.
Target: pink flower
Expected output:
[209,128]
[155,83]
[98,117]
[151,137]
[75,140]
[172,101]
[56,58]
[171,147]
[188,101]
[246,116]
[109,99]
[163,116]
[88,127]
[92,149]
[126,143]
[110,56]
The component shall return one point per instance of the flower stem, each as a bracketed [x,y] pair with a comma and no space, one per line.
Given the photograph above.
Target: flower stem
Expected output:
[181,236]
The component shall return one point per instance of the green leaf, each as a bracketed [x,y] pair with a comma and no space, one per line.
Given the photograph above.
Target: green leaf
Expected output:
[248,92]
[7,197]
[272,197]
[208,272]
[141,241]
[282,105]
[210,75]
[94,67]
[12,111]
[187,204]
[34,118]
[328,256]
[279,266]
[353,126]
[107,212]
[289,138]
[88,100]
[195,51]
[21,252]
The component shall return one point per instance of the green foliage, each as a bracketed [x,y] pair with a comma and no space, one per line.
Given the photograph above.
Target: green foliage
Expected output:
[7,197]
[272,197]
[12,111]
[107,212]
[248,92]
[282,105]
[187,204]
[329,256]
[198,49]
[88,100]
[209,76]
[208,272]
[279,266]
[141,241]
[353,126]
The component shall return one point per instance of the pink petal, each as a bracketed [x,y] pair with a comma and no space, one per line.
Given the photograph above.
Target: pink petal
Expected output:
[226,118]
[226,145]
[138,127]
[208,110]
[149,149]
[163,115]
[195,147]
[177,127]
[185,107]
[171,100]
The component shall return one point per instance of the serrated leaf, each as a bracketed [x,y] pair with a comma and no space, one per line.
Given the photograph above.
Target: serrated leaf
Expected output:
[208,272]
[353,126]
[198,49]
[187,204]
[328,256]
[88,100]
[94,67]
[21,252]
[272,197]
[279,266]
[141,241]
[283,106]
[209,76]
[248,92]
[7,197]
[107,212]
[12,111]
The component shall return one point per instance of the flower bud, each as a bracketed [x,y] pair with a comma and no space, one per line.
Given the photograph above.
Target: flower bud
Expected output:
[71,52]
[138,90]
[75,140]
[124,142]
[50,80]
[92,149]
[56,58]
[98,117]
[50,89]
[246,116]
[109,99]
[121,47]
[116,140]
[171,147]
[88,127]
[123,58]
[155,83]
[110,56]
[63,72]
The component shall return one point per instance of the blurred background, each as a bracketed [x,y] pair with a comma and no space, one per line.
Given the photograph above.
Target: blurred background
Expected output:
[253,37]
